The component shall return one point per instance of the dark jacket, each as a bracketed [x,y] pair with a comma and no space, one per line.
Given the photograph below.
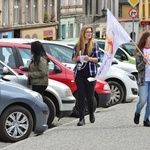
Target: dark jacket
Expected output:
[38,75]
[140,65]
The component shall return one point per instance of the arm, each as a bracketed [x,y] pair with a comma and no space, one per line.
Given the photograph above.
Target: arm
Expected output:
[140,63]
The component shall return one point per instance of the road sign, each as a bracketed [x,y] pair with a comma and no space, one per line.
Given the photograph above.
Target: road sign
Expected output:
[133,3]
[133,13]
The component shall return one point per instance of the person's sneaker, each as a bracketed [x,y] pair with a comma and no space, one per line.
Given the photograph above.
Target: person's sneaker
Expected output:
[146,123]
[81,122]
[136,118]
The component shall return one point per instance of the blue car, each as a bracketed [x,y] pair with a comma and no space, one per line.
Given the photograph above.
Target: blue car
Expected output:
[21,112]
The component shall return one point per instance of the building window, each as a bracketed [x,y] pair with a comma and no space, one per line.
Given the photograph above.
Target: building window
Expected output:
[90,7]
[63,2]
[70,3]
[143,11]
[71,31]
[97,6]
[16,11]
[149,8]
[5,12]
[78,2]
[45,6]
[86,7]
[52,8]
[77,29]
[28,11]
[35,11]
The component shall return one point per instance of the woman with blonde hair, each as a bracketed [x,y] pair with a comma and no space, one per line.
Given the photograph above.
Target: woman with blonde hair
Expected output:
[86,54]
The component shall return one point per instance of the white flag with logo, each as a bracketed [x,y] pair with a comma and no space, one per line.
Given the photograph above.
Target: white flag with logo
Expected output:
[115,36]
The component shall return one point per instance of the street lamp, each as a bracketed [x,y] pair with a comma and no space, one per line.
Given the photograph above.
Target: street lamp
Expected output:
[104,14]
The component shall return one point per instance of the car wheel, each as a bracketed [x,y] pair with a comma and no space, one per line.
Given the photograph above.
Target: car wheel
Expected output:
[75,112]
[117,93]
[52,110]
[16,123]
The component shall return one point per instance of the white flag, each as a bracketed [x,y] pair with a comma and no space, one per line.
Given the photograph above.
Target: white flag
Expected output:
[115,36]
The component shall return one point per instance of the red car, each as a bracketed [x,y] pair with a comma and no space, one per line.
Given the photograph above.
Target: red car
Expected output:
[17,55]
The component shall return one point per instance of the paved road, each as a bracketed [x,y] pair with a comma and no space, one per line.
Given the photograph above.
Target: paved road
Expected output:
[113,130]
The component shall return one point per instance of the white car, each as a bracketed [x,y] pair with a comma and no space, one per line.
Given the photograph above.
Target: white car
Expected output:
[58,96]
[122,84]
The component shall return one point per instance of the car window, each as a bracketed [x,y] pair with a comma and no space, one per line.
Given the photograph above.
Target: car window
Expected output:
[8,56]
[1,70]
[61,53]
[4,70]
[120,55]
[129,48]
[101,44]
[25,55]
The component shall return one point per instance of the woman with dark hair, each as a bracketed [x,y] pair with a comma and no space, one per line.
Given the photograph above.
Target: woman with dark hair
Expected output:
[88,50]
[38,68]
[143,67]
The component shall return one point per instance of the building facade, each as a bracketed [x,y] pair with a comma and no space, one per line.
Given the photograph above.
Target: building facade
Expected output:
[71,18]
[28,19]
[130,24]
[144,15]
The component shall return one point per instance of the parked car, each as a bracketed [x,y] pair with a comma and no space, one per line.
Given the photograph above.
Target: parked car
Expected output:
[125,53]
[57,96]
[128,67]
[111,77]
[21,55]
[21,112]
[121,53]
[121,91]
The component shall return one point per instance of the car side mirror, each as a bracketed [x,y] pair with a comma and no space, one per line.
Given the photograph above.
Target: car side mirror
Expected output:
[57,69]
[5,70]
[114,62]
[123,57]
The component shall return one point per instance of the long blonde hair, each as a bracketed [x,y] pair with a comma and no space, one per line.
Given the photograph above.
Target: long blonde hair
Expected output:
[81,41]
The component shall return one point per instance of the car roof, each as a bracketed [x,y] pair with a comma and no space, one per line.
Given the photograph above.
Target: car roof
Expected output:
[14,44]
[29,41]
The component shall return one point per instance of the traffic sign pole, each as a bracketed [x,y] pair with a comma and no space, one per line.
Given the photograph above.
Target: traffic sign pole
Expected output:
[133,3]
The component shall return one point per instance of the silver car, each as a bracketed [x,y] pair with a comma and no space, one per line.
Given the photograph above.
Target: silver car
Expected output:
[21,112]
[57,96]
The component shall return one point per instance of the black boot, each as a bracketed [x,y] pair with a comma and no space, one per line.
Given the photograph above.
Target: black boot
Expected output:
[81,122]
[146,123]
[136,118]
[92,118]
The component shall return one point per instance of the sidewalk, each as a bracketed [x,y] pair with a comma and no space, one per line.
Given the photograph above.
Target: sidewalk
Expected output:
[113,130]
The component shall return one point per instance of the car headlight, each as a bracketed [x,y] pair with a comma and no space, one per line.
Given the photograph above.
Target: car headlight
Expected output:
[106,87]
[132,77]
[68,92]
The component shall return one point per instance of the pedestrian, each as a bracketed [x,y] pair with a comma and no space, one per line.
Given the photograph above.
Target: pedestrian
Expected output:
[86,54]
[38,68]
[143,67]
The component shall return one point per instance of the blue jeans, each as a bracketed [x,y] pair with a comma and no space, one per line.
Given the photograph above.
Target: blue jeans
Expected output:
[144,97]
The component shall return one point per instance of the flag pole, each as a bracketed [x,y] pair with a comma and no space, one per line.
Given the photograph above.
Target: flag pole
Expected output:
[138,49]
